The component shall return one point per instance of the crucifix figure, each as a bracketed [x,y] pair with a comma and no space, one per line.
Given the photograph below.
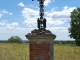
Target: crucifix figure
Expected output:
[41,21]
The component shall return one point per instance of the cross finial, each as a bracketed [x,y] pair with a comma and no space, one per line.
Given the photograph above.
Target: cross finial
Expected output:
[41,20]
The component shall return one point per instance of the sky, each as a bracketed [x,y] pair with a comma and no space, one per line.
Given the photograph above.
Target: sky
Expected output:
[19,17]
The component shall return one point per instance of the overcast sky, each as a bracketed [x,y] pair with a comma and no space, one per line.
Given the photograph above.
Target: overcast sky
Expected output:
[19,17]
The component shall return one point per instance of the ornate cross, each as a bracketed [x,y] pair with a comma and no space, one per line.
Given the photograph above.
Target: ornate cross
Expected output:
[41,20]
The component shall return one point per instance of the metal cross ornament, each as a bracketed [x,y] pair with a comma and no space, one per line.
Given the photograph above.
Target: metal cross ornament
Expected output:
[41,22]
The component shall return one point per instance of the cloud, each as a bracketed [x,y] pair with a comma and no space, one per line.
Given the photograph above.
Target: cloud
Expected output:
[28,30]
[16,30]
[3,22]
[11,26]
[21,4]
[46,2]
[1,15]
[55,21]
[54,17]
[30,16]
[10,13]
[6,25]
[58,29]
[2,12]
[65,13]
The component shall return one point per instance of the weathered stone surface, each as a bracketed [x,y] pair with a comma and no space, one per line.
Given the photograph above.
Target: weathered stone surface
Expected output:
[45,32]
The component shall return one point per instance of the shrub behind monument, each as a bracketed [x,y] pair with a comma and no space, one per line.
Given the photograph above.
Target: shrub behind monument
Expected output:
[14,39]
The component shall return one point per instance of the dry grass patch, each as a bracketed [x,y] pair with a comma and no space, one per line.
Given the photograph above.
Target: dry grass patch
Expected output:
[13,51]
[66,52]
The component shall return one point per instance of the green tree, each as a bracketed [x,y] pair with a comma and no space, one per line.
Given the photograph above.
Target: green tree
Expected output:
[15,39]
[74,29]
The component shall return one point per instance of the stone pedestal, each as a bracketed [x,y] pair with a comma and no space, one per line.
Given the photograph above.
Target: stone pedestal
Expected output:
[41,46]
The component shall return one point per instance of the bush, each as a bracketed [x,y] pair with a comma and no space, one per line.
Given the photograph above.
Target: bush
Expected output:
[15,39]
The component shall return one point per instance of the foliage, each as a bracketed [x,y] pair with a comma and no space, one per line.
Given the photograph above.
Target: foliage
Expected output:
[64,42]
[74,29]
[15,39]
[3,41]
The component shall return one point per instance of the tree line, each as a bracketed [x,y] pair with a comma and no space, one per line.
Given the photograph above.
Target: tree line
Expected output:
[12,39]
[17,39]
[64,42]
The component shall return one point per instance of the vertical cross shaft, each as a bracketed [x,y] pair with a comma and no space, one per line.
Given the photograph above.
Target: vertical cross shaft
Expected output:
[41,21]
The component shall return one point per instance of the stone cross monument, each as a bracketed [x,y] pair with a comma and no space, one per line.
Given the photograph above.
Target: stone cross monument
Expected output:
[41,44]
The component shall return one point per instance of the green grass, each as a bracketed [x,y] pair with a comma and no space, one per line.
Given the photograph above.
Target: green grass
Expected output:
[13,51]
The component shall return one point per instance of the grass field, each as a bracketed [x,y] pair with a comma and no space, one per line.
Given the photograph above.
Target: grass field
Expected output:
[9,51]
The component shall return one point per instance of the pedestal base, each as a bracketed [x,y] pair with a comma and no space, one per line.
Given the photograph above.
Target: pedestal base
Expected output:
[41,46]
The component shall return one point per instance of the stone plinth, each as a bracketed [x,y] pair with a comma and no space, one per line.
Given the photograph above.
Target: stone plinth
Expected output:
[41,46]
